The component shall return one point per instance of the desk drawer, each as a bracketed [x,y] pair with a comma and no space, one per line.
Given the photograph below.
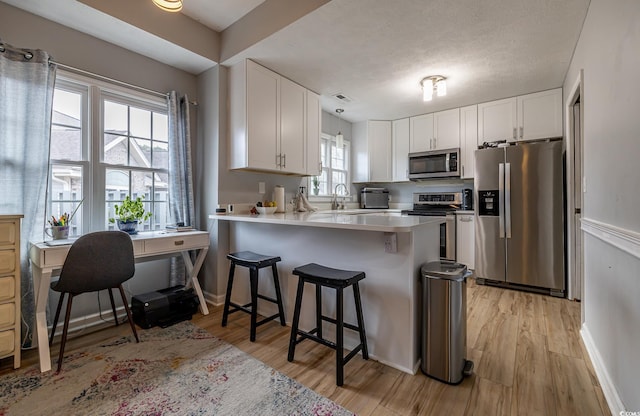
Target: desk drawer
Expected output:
[7,288]
[7,314]
[7,261]
[7,342]
[170,244]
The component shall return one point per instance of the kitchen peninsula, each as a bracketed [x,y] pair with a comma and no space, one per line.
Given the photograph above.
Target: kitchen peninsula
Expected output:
[387,246]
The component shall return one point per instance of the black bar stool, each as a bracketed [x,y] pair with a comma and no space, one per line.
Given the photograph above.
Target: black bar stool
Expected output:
[336,279]
[254,262]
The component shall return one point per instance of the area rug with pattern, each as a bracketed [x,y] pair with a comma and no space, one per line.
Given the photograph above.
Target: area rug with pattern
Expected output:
[179,370]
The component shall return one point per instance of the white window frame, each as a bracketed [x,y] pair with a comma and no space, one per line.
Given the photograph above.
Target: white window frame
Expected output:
[331,140]
[94,92]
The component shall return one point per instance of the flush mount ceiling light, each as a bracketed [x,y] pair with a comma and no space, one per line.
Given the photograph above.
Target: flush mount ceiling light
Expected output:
[339,136]
[432,83]
[169,5]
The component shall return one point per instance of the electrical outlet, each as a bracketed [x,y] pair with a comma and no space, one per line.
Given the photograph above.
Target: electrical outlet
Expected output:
[261,188]
[390,242]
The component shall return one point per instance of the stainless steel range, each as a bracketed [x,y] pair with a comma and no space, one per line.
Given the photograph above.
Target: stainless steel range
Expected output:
[445,205]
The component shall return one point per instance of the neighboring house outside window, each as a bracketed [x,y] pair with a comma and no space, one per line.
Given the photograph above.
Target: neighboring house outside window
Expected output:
[335,167]
[107,142]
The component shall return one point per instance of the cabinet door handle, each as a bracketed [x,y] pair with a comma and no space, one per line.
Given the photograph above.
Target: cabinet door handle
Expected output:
[320,167]
[284,157]
[178,242]
[521,133]
[514,133]
[278,160]
[463,170]
[435,142]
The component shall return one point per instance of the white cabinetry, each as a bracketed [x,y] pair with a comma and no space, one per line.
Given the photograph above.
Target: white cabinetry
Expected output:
[540,115]
[527,117]
[468,140]
[435,131]
[268,121]
[372,151]
[497,120]
[313,126]
[421,133]
[10,287]
[400,142]
[465,239]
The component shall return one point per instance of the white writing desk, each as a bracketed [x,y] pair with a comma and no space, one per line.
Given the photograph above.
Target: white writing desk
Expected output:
[45,260]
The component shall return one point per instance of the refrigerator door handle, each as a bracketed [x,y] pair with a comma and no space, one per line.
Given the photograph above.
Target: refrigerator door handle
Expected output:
[501,198]
[507,199]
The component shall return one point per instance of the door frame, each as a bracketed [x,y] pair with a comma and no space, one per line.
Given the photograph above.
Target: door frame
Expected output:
[575,260]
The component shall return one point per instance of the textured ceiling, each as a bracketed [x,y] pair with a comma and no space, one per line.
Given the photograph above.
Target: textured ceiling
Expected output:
[376,51]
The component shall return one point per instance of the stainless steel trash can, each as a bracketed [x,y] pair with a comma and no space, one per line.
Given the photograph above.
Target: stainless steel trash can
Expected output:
[444,321]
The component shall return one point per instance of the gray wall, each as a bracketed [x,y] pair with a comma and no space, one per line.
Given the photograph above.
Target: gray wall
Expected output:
[22,29]
[608,53]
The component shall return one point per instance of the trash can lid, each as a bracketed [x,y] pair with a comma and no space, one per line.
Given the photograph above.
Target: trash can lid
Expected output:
[444,269]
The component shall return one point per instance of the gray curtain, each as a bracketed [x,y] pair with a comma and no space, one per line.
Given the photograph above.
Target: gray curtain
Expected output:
[26,99]
[181,200]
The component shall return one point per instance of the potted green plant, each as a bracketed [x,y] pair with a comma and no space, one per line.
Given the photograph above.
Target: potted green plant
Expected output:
[316,185]
[129,214]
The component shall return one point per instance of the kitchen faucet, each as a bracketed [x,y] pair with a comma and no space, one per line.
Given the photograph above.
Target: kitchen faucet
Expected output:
[334,201]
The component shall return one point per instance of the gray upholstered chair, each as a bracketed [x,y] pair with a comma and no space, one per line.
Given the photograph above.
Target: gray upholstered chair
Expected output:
[96,261]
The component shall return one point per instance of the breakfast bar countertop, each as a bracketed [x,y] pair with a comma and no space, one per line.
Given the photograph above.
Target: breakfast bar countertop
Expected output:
[358,219]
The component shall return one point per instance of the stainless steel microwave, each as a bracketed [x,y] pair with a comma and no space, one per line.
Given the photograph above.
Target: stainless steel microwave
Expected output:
[434,164]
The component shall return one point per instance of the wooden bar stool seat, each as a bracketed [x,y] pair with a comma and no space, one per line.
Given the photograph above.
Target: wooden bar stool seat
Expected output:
[337,279]
[254,262]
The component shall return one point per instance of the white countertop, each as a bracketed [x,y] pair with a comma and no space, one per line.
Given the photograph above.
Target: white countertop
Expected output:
[358,219]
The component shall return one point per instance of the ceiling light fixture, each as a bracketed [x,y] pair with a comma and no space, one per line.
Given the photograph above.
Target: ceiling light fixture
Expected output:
[432,83]
[339,136]
[169,5]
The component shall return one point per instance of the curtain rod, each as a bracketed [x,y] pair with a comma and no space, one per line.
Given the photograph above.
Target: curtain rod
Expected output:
[124,84]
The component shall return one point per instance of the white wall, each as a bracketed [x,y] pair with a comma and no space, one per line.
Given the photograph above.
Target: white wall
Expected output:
[608,53]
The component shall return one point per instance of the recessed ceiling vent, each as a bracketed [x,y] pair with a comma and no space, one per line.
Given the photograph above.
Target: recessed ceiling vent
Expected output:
[340,96]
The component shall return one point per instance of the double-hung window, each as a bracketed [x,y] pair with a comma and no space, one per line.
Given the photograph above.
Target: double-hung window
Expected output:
[335,167]
[107,142]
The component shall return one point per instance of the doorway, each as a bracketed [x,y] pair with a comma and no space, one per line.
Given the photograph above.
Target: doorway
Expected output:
[575,195]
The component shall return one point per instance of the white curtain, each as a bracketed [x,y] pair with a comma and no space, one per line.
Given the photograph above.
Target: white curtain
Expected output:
[181,200]
[26,97]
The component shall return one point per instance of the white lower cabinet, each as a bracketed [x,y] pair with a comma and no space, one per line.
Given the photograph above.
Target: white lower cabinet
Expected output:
[465,239]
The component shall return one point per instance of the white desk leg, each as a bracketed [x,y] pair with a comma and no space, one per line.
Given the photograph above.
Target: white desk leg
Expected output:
[42,281]
[192,270]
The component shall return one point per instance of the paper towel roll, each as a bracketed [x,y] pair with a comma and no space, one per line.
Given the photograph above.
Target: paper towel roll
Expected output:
[278,196]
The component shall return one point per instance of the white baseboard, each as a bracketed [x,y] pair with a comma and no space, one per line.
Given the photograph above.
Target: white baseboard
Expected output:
[608,387]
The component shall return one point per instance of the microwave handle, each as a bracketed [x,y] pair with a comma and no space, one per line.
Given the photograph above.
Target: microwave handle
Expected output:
[446,162]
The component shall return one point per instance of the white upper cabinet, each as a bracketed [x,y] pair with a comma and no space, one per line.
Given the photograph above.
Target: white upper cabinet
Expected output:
[540,115]
[400,144]
[446,127]
[372,151]
[421,133]
[435,131]
[314,121]
[468,140]
[497,120]
[527,117]
[268,119]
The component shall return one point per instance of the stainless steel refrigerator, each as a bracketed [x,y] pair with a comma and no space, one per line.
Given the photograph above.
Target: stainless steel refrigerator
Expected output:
[519,216]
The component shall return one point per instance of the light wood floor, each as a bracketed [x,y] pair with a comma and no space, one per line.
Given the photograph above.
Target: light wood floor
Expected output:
[529,360]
